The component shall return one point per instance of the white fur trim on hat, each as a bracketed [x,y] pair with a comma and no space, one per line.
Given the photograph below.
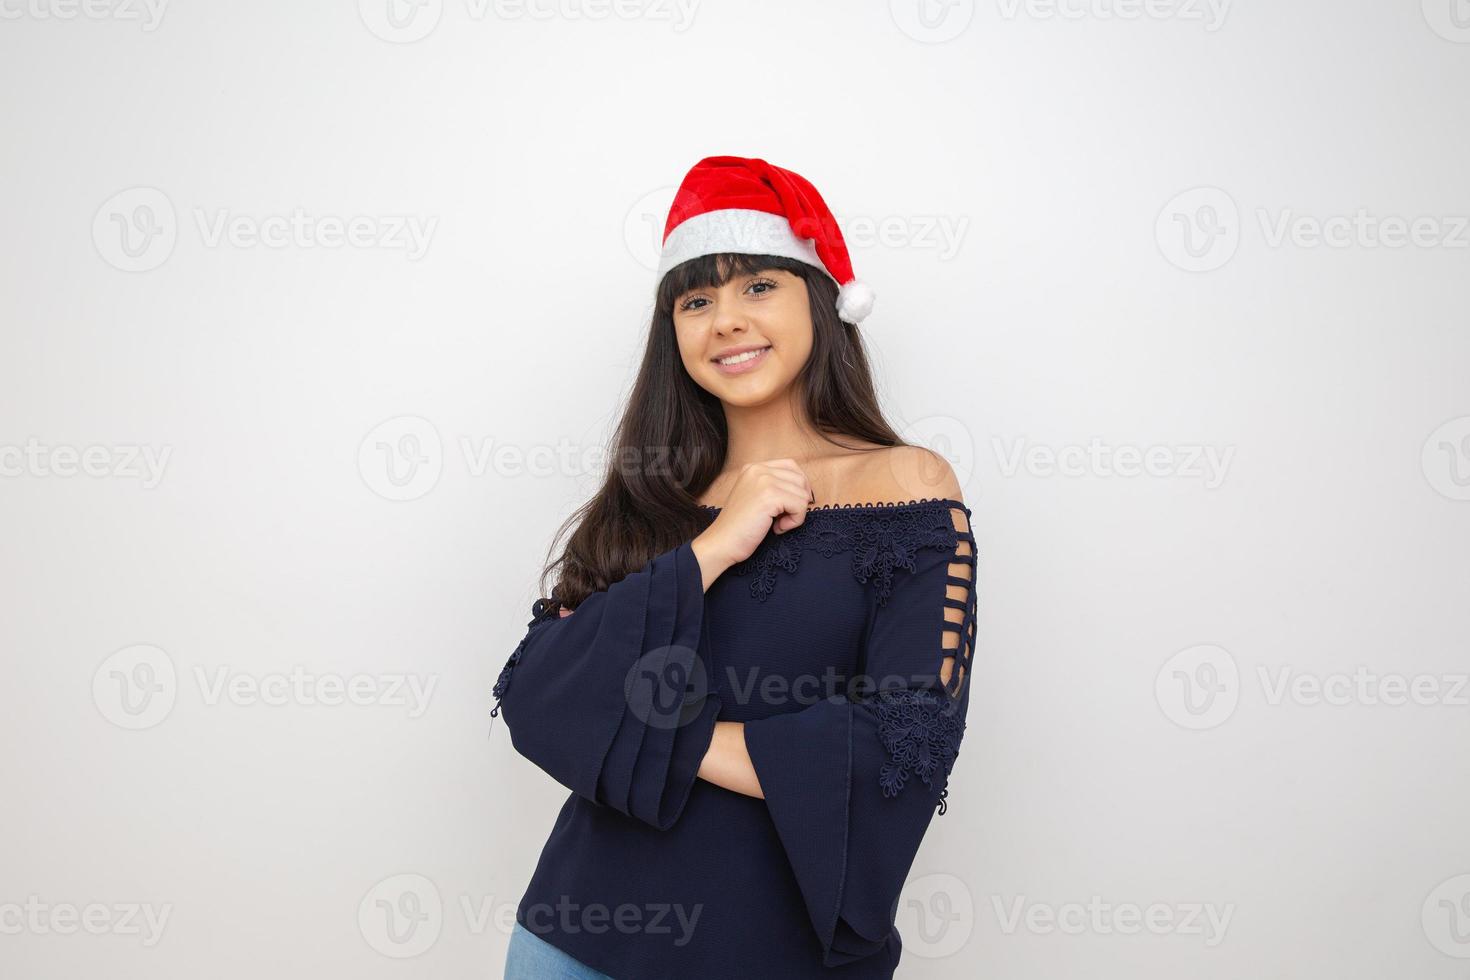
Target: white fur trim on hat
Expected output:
[741,230]
[855,301]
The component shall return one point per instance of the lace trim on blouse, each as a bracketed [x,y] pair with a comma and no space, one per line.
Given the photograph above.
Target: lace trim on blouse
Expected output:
[921,731]
[882,537]
[541,611]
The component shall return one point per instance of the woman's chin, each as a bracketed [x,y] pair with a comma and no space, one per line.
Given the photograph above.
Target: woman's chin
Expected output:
[744,392]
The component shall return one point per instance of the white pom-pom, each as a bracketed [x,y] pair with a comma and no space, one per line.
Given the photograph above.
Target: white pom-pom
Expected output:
[855,301]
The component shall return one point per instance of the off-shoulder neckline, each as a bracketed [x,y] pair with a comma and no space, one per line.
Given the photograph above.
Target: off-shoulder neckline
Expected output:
[879,506]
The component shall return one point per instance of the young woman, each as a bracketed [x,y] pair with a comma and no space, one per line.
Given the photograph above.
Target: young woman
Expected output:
[750,672]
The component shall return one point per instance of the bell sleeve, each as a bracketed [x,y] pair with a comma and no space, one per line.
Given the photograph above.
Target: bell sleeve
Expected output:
[612,701]
[851,782]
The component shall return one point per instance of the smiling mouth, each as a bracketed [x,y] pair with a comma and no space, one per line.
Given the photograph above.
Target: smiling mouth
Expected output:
[749,355]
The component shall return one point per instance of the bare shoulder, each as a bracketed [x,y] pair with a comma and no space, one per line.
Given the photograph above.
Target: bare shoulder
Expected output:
[900,473]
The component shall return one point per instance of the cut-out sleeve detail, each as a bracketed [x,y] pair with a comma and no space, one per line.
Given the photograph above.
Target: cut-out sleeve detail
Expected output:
[852,783]
[919,726]
[613,701]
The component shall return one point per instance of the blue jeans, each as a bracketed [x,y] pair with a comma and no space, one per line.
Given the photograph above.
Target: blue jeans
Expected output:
[532,958]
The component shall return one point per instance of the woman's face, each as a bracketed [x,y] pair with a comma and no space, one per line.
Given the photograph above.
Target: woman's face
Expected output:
[767,311]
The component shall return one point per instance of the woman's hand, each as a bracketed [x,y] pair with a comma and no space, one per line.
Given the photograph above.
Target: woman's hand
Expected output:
[766,496]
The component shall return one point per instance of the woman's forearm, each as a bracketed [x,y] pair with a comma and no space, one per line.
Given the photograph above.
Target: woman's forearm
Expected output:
[712,559]
[727,763]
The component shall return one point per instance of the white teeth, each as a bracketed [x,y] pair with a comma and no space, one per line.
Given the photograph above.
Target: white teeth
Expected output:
[749,355]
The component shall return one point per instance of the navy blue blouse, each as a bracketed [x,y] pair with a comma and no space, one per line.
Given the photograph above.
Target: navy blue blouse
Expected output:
[828,643]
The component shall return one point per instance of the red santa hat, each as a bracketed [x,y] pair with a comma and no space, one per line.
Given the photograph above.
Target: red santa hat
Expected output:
[740,204]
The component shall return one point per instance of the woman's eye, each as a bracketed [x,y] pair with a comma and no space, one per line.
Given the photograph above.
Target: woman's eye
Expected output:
[688,304]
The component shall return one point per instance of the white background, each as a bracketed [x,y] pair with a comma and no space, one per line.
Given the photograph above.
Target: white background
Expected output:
[323,501]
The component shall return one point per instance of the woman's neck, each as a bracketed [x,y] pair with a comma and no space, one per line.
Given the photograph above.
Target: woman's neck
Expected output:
[778,429]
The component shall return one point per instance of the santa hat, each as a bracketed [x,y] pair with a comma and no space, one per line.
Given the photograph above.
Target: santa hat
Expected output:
[740,204]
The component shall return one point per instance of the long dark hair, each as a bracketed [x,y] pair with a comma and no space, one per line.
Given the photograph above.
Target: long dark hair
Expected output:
[670,443]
